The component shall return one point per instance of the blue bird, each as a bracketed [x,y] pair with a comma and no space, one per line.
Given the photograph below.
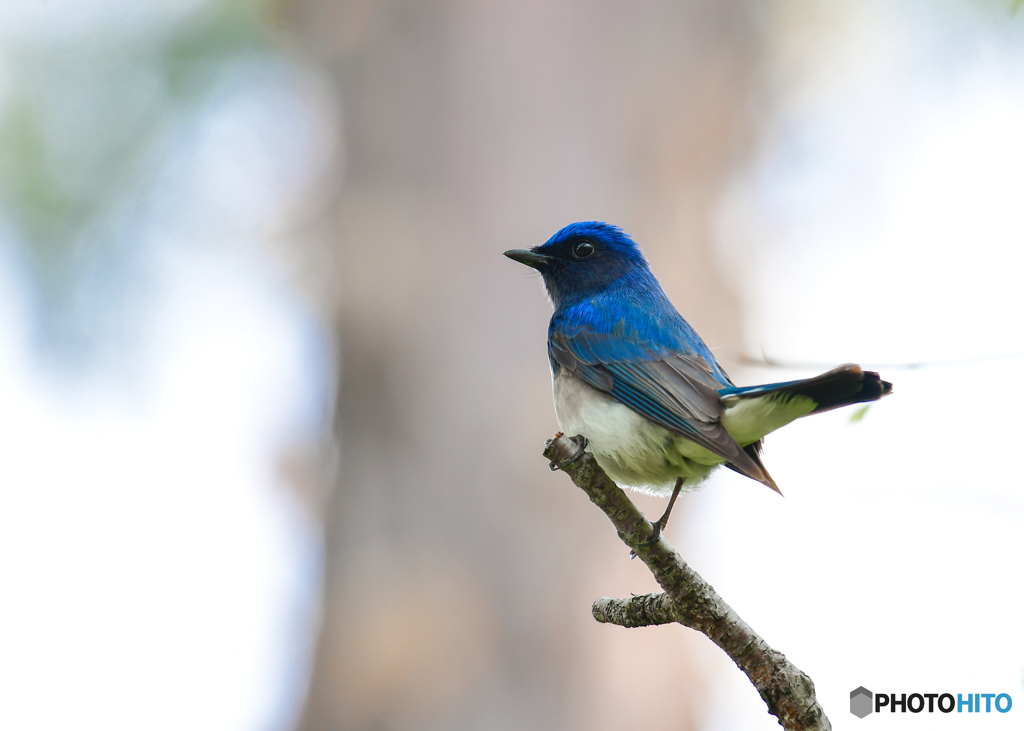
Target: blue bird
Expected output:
[632,377]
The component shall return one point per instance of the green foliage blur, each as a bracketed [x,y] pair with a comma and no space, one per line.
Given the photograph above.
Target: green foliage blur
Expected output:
[85,122]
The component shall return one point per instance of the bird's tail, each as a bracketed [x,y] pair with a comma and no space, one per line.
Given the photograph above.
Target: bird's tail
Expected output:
[754,411]
[841,386]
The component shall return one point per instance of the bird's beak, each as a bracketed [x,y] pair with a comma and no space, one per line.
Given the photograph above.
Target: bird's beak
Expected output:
[529,258]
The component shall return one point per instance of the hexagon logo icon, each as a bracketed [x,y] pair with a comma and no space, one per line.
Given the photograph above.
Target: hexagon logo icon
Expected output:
[860,702]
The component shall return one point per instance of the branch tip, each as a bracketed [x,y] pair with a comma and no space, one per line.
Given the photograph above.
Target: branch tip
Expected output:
[687,599]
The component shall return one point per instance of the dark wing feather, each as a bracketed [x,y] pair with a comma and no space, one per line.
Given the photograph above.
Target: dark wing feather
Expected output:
[677,392]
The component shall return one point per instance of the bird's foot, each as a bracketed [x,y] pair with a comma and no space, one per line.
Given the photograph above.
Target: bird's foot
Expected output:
[580,441]
[658,526]
[583,443]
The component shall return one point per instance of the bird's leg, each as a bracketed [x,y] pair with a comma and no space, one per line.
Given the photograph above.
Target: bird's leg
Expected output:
[660,523]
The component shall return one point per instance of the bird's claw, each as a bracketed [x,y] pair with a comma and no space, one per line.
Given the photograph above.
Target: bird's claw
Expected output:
[657,527]
[580,441]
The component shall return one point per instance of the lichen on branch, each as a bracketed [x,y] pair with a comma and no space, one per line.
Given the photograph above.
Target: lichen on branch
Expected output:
[688,599]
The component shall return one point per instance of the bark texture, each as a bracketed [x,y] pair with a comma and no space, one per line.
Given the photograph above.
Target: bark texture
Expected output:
[688,599]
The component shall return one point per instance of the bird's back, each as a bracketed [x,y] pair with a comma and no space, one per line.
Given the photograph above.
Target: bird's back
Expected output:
[633,321]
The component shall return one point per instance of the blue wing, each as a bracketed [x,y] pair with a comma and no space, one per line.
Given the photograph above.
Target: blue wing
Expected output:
[676,390]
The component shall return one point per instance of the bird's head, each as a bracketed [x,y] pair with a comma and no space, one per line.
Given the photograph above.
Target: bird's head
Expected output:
[582,260]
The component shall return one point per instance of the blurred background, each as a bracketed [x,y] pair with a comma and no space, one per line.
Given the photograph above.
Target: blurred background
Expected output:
[272,402]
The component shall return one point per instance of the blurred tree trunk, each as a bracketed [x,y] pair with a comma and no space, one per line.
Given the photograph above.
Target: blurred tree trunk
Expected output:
[471,128]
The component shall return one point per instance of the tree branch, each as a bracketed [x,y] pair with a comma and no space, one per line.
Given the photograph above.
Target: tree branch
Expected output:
[688,599]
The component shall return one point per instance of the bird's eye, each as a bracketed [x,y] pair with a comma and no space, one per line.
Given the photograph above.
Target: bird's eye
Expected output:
[583,249]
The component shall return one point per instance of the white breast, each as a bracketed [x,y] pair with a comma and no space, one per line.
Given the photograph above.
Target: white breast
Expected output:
[634,451]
